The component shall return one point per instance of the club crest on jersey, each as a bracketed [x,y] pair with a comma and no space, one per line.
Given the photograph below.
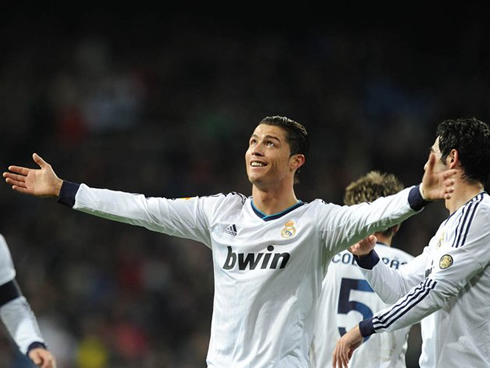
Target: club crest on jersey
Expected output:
[289,230]
[445,262]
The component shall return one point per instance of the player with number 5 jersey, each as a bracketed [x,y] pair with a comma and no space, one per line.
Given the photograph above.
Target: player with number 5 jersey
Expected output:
[447,287]
[347,298]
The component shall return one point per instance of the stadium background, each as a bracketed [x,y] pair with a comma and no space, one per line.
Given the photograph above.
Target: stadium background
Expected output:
[162,102]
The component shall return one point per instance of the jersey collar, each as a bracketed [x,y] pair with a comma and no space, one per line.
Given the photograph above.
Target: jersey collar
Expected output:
[274,216]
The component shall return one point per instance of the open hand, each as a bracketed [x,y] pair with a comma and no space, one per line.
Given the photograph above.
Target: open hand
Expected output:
[346,346]
[42,182]
[436,185]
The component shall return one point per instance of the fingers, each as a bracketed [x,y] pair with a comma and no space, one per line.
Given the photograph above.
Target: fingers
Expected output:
[18,170]
[42,358]
[354,248]
[431,162]
[13,178]
[449,183]
[339,359]
[448,174]
[16,181]
[372,239]
[38,160]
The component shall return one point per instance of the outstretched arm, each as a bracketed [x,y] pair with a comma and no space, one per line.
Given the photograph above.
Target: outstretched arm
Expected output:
[42,182]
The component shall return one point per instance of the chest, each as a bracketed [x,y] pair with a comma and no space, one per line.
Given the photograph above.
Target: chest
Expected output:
[247,242]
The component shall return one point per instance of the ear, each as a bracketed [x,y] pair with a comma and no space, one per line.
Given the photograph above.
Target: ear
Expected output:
[296,161]
[452,159]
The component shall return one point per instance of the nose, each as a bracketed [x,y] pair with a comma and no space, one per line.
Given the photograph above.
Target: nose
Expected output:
[256,150]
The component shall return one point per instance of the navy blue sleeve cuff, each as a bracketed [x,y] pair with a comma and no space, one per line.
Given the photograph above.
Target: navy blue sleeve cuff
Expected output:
[35,345]
[68,192]
[415,199]
[9,291]
[368,261]
[366,327]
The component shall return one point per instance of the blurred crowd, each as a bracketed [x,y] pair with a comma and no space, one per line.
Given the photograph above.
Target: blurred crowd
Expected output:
[164,106]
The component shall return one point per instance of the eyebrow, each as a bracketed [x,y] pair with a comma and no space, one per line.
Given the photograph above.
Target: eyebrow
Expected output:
[266,137]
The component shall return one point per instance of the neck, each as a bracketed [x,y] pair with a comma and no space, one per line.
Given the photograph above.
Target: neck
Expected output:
[386,240]
[273,201]
[463,192]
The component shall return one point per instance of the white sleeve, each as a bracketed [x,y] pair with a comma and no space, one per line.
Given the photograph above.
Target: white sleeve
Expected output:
[16,314]
[392,284]
[7,270]
[455,269]
[21,323]
[181,217]
[343,226]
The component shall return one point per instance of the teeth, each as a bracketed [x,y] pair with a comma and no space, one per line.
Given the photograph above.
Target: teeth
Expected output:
[257,164]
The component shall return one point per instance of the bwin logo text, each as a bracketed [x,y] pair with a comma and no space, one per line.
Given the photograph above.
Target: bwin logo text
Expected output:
[252,260]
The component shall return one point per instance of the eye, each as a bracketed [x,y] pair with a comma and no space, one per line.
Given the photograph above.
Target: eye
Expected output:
[252,142]
[270,144]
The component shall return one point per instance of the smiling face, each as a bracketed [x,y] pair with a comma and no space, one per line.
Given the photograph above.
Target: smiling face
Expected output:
[268,158]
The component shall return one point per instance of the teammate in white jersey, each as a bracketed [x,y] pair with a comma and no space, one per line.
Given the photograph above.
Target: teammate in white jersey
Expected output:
[346,296]
[17,316]
[269,250]
[447,287]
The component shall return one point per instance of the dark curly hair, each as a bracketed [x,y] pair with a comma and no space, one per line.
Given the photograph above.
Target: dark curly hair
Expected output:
[471,138]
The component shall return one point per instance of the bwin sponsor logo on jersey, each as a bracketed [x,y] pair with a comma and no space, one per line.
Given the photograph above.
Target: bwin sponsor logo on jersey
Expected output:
[256,260]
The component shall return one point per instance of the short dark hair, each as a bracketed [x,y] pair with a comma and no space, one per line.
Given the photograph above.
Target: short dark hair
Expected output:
[370,187]
[296,135]
[471,138]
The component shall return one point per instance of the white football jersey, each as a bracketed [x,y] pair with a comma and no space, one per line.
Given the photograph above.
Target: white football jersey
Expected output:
[16,313]
[7,270]
[447,288]
[347,299]
[268,270]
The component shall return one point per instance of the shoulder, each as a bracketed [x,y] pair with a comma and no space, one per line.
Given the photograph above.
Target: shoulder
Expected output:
[319,204]
[231,197]
[4,250]
[476,212]
[221,202]
[482,200]
[236,197]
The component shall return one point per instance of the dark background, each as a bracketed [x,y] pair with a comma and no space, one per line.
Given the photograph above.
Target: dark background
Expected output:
[162,101]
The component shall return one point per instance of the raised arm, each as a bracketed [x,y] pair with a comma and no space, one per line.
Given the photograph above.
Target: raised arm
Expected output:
[42,182]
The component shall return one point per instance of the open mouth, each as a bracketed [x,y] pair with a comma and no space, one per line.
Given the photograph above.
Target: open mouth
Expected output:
[257,164]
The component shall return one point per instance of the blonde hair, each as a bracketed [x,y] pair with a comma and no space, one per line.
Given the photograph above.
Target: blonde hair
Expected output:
[372,186]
